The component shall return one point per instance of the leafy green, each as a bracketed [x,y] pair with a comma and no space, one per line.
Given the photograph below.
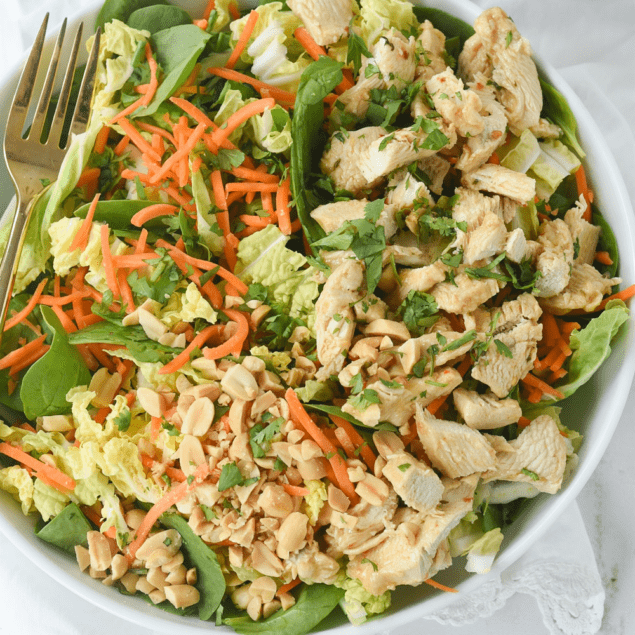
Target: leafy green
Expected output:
[161,283]
[117,213]
[592,345]
[378,16]
[210,580]
[260,437]
[317,81]
[356,48]
[418,311]
[556,108]
[158,17]
[43,389]
[122,9]
[314,603]
[229,477]
[607,242]
[67,529]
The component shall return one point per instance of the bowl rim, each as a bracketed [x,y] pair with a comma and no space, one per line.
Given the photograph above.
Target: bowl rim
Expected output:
[549,511]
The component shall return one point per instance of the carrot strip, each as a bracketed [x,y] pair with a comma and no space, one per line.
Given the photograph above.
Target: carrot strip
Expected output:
[153,211]
[282,208]
[101,140]
[57,477]
[220,199]
[182,200]
[294,490]
[31,304]
[254,175]
[211,5]
[137,139]
[243,39]
[275,92]
[363,448]
[92,515]
[240,116]
[441,587]
[14,357]
[80,241]
[154,80]
[230,249]
[155,428]
[50,300]
[120,116]
[300,416]
[233,11]
[27,361]
[603,258]
[624,295]
[285,588]
[494,159]
[256,221]
[198,115]
[534,382]
[184,356]
[434,406]
[551,333]
[171,498]
[67,323]
[88,177]
[234,345]
[251,187]
[109,266]
[147,127]
[583,190]
[309,44]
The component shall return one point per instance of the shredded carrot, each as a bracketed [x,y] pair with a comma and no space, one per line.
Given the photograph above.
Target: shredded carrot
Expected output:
[21,353]
[235,343]
[233,11]
[308,43]
[31,304]
[583,189]
[92,515]
[533,382]
[80,241]
[285,588]
[300,416]
[623,295]
[153,211]
[294,490]
[184,201]
[220,199]
[137,139]
[184,356]
[345,442]
[89,176]
[128,110]
[494,159]
[155,428]
[362,447]
[211,5]
[551,333]
[240,116]
[254,175]
[441,587]
[154,80]
[251,187]
[256,221]
[603,257]
[27,361]
[57,477]
[109,266]
[274,92]
[243,39]
[566,328]
[67,323]
[101,140]
[171,498]
[50,300]
[282,208]
[148,127]
[523,422]
[434,405]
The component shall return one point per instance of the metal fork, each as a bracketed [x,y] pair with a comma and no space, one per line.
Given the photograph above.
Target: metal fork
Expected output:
[31,159]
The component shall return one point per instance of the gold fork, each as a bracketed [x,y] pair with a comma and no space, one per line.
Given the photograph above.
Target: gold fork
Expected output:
[33,159]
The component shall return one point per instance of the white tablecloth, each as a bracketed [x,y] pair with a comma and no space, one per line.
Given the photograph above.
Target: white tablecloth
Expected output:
[592,44]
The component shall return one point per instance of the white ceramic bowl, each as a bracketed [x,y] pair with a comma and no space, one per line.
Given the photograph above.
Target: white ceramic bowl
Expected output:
[594,411]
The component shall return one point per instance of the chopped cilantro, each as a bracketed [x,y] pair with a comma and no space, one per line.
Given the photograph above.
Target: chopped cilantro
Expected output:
[503,349]
[229,477]
[123,420]
[364,399]
[209,513]
[532,475]
[404,467]
[370,562]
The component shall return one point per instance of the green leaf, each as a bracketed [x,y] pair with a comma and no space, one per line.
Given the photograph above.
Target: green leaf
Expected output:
[556,108]
[122,9]
[503,349]
[373,210]
[260,437]
[607,242]
[44,388]
[229,477]
[210,580]
[418,311]
[67,529]
[356,48]
[314,603]
[158,17]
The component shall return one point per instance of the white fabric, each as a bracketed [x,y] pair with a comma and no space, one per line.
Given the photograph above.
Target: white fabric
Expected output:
[593,45]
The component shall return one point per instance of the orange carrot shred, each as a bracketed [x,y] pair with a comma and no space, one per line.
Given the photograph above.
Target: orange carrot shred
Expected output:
[32,303]
[603,257]
[285,588]
[441,587]
[243,39]
[102,140]
[153,211]
[234,345]
[14,357]
[80,241]
[240,116]
[294,490]
[184,356]
[282,208]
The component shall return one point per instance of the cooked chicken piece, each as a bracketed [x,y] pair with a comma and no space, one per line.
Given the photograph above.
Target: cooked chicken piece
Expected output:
[546,130]
[431,49]
[538,457]
[517,328]
[389,152]
[456,104]
[442,559]
[436,169]
[394,56]
[507,208]
[325,20]
[453,448]
[364,527]
[333,215]
[465,295]
[416,483]
[408,553]
[406,256]
[333,259]
[472,207]
[516,246]
[370,308]
[555,259]
[430,348]
[341,159]
[398,404]
[479,148]
[513,69]
[356,99]
[404,190]
[334,336]
[583,233]
[486,240]
[421,108]
[421,279]
[585,291]
[311,565]
[485,412]
[474,60]
[501,180]
[459,489]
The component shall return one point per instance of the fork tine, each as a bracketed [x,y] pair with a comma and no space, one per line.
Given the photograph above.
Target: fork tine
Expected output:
[60,112]
[22,98]
[39,119]
[82,108]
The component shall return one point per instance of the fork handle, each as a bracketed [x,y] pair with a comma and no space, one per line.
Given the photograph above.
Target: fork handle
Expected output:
[11,258]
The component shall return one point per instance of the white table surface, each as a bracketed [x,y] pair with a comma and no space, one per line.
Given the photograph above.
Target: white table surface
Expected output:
[592,44]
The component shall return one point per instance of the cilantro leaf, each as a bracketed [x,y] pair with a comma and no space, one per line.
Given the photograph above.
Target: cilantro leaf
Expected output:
[418,311]
[229,477]
[356,48]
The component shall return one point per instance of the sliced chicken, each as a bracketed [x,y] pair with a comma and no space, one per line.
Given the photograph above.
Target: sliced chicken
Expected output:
[436,169]
[431,348]
[325,20]
[332,216]
[485,412]
[500,180]
[487,240]
[465,295]
[421,279]
[431,47]
[453,448]
[585,236]
[538,457]
[394,56]
[555,258]
[404,190]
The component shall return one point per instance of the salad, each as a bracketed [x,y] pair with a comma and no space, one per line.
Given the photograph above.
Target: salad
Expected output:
[292,327]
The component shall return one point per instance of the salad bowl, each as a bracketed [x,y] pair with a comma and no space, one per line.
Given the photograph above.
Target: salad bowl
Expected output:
[594,411]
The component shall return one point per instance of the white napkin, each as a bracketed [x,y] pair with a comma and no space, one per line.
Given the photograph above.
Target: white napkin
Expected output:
[592,45]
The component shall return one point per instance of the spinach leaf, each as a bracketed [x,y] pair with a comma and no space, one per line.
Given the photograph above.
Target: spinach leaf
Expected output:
[338,412]
[177,50]
[67,529]
[44,387]
[314,603]
[122,9]
[158,17]
[133,338]
[607,242]
[317,81]
[556,108]
[118,213]
[210,580]
[449,25]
